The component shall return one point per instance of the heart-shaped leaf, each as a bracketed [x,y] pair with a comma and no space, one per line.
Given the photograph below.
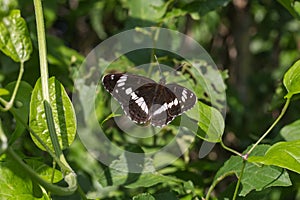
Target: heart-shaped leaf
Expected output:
[211,122]
[14,37]
[63,114]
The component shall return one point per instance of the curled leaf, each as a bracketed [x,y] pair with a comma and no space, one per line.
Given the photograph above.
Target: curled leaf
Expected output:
[291,80]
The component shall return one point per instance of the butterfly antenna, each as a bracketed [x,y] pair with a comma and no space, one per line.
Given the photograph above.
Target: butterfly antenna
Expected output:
[162,78]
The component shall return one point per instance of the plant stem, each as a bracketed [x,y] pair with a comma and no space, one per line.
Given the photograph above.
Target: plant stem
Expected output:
[213,185]
[271,127]
[239,181]
[14,94]
[16,115]
[55,189]
[229,149]
[8,105]
[42,47]
[51,128]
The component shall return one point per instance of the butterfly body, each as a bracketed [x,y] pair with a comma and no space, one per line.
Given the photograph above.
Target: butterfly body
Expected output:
[146,101]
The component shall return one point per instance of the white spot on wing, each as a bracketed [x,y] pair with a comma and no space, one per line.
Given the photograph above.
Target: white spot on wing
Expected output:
[182,98]
[175,102]
[122,80]
[139,101]
[184,94]
[128,91]
[134,96]
[144,107]
[120,84]
[163,108]
[142,104]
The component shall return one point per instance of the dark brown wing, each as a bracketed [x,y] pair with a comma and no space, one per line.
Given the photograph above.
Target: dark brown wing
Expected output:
[122,87]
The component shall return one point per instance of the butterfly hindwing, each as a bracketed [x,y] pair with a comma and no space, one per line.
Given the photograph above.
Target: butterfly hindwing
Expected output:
[186,98]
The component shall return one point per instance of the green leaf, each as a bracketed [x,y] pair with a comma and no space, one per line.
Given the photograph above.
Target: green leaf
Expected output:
[14,184]
[292,6]
[63,114]
[255,177]
[291,132]
[282,154]
[119,175]
[45,171]
[144,12]
[291,80]
[22,101]
[14,37]
[144,196]
[147,10]
[3,92]
[211,123]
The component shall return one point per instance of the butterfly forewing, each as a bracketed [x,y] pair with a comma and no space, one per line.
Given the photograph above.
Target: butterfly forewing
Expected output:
[186,98]
[122,87]
[145,101]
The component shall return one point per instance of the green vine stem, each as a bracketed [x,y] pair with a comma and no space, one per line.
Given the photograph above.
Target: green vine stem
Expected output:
[55,189]
[239,181]
[61,165]
[283,111]
[44,77]
[229,149]
[42,48]
[213,185]
[51,128]
[69,175]
[8,105]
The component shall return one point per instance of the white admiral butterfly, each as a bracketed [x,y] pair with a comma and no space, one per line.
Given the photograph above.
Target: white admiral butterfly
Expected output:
[145,101]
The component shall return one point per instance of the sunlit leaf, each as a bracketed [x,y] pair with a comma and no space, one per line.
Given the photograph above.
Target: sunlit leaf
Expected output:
[211,123]
[15,41]
[3,92]
[15,184]
[147,10]
[292,6]
[45,171]
[282,154]
[291,80]
[291,132]
[63,114]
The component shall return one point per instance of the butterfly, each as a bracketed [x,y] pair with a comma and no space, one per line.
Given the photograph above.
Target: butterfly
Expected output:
[145,101]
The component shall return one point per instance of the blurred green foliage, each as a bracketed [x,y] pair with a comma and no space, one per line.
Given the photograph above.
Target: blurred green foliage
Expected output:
[256,41]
